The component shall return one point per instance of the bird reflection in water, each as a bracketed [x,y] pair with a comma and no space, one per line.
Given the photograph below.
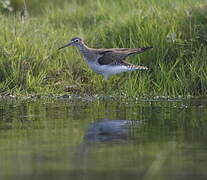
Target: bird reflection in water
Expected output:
[106,130]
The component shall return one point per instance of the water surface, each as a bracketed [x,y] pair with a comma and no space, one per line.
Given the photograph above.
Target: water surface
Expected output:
[83,138]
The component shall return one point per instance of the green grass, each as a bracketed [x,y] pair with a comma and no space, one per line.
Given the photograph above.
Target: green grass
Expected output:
[30,62]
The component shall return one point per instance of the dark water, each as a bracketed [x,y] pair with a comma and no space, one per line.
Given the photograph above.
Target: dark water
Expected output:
[103,139]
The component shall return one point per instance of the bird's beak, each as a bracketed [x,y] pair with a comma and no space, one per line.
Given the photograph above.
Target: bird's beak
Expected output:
[69,44]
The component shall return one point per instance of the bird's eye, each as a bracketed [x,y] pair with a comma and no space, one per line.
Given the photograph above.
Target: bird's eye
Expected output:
[76,40]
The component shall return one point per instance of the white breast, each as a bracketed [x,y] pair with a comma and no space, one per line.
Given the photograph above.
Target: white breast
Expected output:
[97,68]
[108,70]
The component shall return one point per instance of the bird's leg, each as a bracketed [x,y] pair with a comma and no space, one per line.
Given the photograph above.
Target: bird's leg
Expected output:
[105,87]
[119,82]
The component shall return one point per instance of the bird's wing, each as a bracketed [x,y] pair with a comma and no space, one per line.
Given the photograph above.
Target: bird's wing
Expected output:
[108,56]
[131,51]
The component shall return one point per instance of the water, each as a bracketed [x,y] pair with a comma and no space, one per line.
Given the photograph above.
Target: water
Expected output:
[103,139]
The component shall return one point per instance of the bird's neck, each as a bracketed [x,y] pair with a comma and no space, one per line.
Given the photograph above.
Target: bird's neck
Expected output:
[86,52]
[83,48]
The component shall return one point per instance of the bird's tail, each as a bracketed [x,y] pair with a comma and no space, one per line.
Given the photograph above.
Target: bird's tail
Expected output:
[135,67]
[140,67]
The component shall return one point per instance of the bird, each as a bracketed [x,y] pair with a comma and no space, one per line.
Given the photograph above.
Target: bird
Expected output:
[107,62]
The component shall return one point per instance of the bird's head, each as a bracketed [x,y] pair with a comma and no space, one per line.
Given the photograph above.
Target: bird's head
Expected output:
[76,41]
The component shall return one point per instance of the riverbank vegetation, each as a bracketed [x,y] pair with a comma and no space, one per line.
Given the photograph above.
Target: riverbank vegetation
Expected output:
[32,31]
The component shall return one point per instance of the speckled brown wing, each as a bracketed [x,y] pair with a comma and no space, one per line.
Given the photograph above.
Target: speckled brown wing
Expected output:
[131,51]
[110,57]
[118,54]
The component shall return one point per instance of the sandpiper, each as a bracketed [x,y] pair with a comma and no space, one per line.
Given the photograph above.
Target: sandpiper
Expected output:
[107,61]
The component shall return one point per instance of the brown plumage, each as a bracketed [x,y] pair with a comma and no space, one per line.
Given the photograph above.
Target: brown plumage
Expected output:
[118,54]
[107,61]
